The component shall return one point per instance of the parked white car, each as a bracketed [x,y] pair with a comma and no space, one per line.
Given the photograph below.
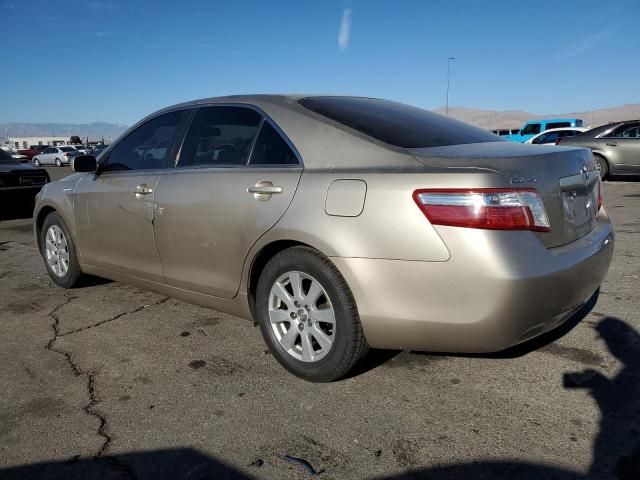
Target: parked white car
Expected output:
[57,156]
[82,149]
[551,136]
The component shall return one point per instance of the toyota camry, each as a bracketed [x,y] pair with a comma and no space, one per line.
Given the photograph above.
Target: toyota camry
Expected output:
[337,224]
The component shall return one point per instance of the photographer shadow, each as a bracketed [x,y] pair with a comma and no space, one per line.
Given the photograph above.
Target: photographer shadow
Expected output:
[616,451]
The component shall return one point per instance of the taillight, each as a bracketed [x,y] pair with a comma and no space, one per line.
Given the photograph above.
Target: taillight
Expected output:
[66,154]
[488,208]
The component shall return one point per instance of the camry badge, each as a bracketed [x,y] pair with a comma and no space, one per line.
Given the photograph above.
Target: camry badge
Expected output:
[523,180]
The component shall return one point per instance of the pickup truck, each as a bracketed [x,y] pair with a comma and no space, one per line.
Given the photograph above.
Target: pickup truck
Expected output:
[32,151]
[534,127]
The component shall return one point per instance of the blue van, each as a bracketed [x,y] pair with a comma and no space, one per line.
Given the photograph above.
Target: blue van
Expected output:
[534,127]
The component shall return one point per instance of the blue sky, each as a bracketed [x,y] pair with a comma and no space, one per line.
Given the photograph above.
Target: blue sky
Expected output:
[118,60]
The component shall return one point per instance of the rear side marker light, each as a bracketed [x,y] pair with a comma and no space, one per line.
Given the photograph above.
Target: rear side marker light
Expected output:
[487,208]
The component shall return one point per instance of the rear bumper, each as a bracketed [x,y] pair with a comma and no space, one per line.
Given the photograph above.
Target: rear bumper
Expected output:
[497,290]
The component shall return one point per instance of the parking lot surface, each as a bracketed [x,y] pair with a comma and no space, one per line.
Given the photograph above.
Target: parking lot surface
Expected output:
[111,381]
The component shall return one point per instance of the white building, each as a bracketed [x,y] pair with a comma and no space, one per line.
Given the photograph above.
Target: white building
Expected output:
[20,143]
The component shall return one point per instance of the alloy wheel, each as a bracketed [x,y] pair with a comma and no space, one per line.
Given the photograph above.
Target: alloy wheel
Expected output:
[598,167]
[301,316]
[57,251]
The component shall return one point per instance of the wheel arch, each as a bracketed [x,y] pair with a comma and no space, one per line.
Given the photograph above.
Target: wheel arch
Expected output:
[41,215]
[260,260]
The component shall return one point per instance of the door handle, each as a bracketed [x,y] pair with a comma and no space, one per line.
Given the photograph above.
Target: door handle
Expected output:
[612,144]
[263,190]
[142,189]
[267,189]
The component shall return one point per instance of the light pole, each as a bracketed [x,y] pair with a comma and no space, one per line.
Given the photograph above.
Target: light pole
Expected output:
[448,72]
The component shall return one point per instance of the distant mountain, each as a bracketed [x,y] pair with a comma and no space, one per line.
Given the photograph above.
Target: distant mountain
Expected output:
[491,119]
[95,130]
[488,119]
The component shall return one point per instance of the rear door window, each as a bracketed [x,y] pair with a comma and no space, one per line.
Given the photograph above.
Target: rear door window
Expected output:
[395,123]
[271,148]
[220,136]
[629,130]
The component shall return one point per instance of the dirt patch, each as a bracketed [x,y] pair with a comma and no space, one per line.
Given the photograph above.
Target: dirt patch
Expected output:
[22,308]
[574,354]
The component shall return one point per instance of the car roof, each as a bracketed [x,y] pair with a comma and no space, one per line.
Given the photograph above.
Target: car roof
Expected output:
[298,124]
[550,120]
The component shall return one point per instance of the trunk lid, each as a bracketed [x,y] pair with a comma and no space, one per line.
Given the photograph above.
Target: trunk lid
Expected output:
[564,178]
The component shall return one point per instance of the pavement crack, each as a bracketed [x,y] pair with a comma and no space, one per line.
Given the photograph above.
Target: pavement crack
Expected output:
[90,408]
[116,317]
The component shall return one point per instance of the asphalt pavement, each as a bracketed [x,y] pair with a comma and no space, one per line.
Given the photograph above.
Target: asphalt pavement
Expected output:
[111,381]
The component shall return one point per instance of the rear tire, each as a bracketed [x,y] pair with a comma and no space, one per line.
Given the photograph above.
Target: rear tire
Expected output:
[315,333]
[36,162]
[59,252]
[58,162]
[601,165]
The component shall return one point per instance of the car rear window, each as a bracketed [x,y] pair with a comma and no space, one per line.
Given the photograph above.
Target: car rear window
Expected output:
[596,130]
[68,149]
[396,123]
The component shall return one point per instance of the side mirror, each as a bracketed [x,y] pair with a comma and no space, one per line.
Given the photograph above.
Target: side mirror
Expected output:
[84,163]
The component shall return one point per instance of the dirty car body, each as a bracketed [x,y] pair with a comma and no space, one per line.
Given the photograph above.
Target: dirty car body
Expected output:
[424,232]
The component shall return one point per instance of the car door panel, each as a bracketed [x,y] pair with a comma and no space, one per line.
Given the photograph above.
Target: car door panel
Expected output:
[115,207]
[46,157]
[207,221]
[214,207]
[624,153]
[118,223]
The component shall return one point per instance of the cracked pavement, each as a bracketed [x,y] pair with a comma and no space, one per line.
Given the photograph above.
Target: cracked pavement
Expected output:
[111,381]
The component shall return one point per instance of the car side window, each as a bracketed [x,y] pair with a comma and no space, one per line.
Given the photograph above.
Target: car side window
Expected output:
[148,146]
[625,131]
[271,148]
[558,125]
[220,136]
[633,132]
[531,129]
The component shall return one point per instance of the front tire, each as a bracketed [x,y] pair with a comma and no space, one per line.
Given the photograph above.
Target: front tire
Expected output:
[58,162]
[59,252]
[308,316]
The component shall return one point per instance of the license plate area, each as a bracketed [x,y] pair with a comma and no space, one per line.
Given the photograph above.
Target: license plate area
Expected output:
[580,207]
